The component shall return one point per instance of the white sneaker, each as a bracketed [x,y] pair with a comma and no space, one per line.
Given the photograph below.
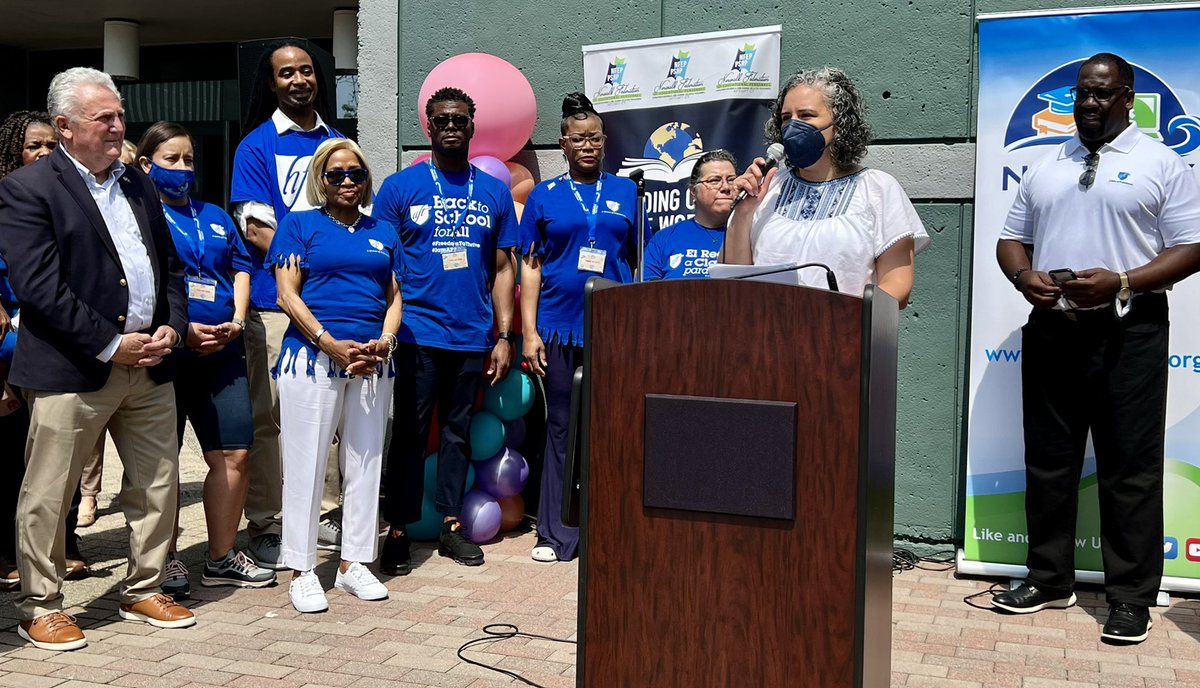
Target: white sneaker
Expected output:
[306,594]
[360,582]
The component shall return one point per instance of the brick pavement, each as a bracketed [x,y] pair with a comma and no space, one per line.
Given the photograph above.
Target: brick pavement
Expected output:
[253,638]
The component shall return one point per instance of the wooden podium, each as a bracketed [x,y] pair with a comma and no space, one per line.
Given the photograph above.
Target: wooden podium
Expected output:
[736,486]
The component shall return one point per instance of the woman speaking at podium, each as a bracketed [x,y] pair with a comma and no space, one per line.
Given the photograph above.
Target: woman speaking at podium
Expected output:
[825,207]
[576,226]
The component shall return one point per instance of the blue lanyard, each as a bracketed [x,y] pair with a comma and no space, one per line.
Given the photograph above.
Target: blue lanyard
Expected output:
[592,216]
[199,234]
[437,181]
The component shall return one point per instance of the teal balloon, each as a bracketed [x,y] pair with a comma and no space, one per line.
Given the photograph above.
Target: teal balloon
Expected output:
[511,398]
[431,477]
[430,525]
[487,436]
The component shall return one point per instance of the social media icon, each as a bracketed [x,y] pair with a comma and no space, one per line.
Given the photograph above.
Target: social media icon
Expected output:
[1193,549]
[1170,548]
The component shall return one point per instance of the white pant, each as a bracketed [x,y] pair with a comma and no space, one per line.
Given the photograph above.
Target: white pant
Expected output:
[310,410]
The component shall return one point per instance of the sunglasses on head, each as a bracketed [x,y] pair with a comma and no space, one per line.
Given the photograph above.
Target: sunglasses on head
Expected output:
[357,175]
[442,121]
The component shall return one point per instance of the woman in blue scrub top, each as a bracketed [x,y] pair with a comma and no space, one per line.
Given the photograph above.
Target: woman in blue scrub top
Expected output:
[210,388]
[576,226]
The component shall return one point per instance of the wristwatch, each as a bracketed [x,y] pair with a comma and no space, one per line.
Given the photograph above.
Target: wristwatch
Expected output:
[239,322]
[1124,293]
[506,336]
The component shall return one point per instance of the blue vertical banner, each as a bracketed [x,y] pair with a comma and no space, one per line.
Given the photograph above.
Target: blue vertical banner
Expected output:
[666,101]
[1027,65]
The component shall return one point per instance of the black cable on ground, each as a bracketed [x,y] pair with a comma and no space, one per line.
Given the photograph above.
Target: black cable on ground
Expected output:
[502,631]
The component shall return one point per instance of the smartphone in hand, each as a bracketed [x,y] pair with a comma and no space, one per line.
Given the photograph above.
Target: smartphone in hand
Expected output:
[1062,276]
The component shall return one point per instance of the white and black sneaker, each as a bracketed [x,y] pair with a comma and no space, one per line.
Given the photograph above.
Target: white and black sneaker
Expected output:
[236,570]
[329,534]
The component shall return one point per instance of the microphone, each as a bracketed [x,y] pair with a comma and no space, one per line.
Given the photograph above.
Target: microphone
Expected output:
[638,177]
[775,156]
[830,278]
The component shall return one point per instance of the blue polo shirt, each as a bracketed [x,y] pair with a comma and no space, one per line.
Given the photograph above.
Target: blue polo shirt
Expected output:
[555,228]
[683,250]
[346,276]
[450,237]
[271,167]
[210,247]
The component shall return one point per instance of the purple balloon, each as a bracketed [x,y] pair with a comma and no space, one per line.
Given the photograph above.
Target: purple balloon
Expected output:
[514,433]
[503,475]
[481,515]
[494,167]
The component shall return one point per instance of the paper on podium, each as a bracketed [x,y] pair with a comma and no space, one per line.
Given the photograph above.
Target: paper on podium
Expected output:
[780,274]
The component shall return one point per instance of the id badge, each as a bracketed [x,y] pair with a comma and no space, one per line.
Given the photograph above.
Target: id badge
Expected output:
[592,259]
[456,260]
[201,288]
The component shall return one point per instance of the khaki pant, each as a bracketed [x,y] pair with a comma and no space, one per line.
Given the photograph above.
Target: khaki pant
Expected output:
[93,471]
[263,338]
[64,427]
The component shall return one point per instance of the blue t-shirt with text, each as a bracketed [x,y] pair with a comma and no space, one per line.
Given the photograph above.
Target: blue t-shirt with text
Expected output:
[272,168]
[345,278]
[223,254]
[683,250]
[555,227]
[450,240]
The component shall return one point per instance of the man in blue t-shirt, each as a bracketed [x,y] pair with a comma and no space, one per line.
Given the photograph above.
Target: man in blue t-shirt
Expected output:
[457,226]
[269,171]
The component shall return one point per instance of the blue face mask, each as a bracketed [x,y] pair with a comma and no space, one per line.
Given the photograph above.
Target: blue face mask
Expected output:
[803,143]
[172,183]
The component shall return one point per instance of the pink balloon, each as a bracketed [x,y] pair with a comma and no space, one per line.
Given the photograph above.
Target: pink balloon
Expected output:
[505,107]
[420,159]
[494,167]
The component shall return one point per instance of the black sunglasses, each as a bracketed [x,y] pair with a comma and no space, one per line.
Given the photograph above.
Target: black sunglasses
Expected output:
[356,176]
[1102,95]
[441,121]
[1092,161]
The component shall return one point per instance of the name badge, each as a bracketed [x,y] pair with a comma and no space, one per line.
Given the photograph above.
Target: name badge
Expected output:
[592,259]
[456,260]
[201,288]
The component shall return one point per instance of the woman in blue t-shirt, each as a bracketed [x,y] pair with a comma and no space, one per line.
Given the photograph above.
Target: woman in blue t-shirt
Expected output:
[336,272]
[687,248]
[210,387]
[574,227]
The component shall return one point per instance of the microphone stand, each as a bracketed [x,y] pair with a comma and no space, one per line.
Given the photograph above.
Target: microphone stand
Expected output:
[639,178]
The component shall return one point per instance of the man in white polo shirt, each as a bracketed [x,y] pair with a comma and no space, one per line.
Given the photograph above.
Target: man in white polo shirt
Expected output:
[1101,228]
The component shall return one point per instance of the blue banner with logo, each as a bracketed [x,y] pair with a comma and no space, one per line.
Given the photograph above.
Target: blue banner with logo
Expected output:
[666,101]
[1027,66]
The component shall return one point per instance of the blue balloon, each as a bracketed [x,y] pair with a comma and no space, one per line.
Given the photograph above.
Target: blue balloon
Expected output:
[511,398]
[431,476]
[487,435]
[430,525]
[503,475]
[481,516]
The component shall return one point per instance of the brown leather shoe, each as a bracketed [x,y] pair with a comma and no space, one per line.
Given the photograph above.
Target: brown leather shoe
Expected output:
[10,577]
[87,512]
[76,569]
[53,631]
[159,610]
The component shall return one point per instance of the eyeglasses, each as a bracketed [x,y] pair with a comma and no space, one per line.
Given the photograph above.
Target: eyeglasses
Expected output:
[580,140]
[1102,95]
[356,176]
[716,182]
[442,121]
[1092,161]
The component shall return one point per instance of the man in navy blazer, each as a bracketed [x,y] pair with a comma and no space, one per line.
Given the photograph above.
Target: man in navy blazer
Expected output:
[102,304]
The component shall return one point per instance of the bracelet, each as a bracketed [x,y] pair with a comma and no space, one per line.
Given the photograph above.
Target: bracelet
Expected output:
[1017,275]
[317,336]
[391,340]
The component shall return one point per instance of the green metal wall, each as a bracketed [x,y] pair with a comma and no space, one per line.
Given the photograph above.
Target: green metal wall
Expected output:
[915,63]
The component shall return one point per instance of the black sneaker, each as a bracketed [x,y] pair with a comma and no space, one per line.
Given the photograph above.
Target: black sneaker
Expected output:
[395,560]
[237,570]
[453,543]
[1127,623]
[1027,599]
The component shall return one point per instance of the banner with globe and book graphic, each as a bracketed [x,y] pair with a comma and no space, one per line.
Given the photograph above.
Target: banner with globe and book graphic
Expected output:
[667,100]
[1027,65]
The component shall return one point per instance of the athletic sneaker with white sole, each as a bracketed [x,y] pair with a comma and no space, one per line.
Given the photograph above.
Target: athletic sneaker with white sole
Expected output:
[329,534]
[306,593]
[236,570]
[360,582]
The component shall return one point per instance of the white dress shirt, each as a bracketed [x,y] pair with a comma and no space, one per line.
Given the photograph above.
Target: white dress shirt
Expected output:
[126,236]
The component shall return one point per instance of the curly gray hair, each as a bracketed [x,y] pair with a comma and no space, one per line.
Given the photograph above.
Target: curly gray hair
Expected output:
[852,133]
